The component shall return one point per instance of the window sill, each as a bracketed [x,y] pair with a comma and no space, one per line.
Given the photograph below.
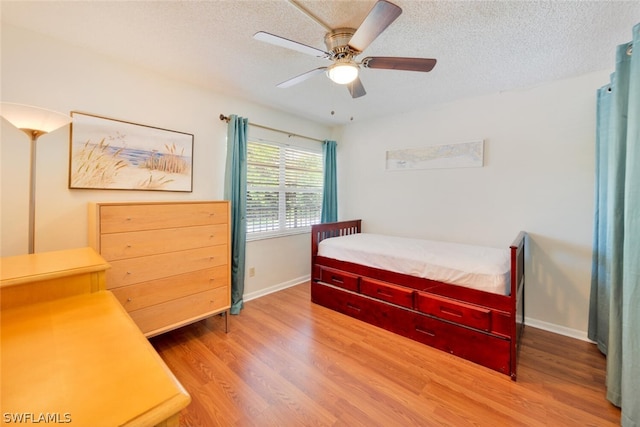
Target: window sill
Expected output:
[276,234]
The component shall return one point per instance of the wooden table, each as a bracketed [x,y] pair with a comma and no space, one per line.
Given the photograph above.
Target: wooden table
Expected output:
[78,357]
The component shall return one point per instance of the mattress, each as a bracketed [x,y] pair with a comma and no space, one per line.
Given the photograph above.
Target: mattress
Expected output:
[478,267]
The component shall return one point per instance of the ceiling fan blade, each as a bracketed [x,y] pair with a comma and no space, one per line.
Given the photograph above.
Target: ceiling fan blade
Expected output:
[356,89]
[289,44]
[302,77]
[397,63]
[379,18]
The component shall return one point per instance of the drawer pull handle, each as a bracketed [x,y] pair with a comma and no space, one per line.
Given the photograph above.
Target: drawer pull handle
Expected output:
[425,331]
[337,279]
[383,293]
[450,311]
[353,307]
[128,218]
[128,272]
[128,245]
[211,236]
[128,299]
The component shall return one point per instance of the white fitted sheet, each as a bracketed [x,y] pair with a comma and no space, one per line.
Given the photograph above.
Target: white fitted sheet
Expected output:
[478,267]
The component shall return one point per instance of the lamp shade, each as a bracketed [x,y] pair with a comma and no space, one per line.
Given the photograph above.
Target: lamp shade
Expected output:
[33,118]
[343,72]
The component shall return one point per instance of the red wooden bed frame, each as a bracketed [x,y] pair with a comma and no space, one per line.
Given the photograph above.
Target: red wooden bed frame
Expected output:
[479,326]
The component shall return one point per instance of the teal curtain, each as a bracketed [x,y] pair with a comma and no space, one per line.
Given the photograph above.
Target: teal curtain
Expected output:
[600,274]
[235,190]
[614,312]
[330,185]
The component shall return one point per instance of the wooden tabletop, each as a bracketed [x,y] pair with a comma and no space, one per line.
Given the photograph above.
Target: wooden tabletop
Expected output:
[20,269]
[82,358]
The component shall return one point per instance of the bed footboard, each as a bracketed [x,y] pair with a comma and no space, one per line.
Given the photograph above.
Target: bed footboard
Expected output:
[517,296]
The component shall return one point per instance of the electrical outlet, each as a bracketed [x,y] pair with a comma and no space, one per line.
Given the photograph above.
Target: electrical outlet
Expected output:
[252,271]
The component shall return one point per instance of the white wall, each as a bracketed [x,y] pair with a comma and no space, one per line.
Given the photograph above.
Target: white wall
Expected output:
[40,71]
[538,173]
[537,176]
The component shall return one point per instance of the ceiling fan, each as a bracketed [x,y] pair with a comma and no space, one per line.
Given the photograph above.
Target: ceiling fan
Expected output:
[344,44]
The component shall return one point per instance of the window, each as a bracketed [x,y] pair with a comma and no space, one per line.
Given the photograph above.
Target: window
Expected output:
[284,189]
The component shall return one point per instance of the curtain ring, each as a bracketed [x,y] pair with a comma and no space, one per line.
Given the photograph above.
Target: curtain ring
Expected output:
[630,50]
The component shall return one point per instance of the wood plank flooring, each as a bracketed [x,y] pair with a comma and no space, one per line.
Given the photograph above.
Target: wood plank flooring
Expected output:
[289,362]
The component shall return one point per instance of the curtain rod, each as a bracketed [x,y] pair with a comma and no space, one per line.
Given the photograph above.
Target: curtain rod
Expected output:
[290,134]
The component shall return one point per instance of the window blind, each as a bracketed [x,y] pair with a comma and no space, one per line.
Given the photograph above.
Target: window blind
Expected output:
[284,188]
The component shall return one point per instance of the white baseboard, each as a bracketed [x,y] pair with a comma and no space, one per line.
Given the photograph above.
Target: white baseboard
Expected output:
[276,288]
[557,329]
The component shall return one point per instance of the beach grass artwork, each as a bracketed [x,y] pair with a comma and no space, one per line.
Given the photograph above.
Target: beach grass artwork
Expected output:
[118,155]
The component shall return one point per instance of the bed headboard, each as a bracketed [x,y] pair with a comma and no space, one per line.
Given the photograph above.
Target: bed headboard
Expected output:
[319,232]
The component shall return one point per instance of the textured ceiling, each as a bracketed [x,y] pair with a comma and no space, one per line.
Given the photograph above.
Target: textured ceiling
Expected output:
[481,46]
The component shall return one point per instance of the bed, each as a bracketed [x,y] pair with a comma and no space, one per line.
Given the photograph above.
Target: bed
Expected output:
[465,300]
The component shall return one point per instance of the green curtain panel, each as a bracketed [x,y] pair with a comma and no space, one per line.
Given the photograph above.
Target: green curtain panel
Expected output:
[235,190]
[330,185]
[600,275]
[614,314]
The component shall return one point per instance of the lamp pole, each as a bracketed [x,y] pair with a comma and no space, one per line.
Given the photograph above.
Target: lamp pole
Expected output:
[34,121]
[33,136]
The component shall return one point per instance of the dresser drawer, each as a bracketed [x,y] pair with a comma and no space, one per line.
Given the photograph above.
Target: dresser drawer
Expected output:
[454,311]
[172,314]
[340,279]
[387,292]
[116,246]
[152,216]
[143,269]
[135,297]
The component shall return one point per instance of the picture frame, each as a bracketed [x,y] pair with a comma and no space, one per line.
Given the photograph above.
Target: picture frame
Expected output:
[112,154]
[457,155]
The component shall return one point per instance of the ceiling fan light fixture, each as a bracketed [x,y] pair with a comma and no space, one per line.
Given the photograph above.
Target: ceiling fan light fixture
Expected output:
[343,73]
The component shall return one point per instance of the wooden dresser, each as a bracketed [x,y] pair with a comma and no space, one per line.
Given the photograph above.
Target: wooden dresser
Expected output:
[170,261]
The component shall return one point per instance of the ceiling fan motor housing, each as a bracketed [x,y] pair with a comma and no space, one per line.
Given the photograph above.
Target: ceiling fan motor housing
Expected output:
[337,42]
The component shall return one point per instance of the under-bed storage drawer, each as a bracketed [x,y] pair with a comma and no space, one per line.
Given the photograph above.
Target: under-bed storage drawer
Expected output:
[340,278]
[454,311]
[390,317]
[476,346]
[387,292]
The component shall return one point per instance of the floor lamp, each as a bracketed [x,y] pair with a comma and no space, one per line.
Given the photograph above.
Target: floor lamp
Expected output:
[33,121]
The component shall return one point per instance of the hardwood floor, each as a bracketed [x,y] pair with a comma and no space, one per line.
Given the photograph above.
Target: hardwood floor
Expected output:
[288,362]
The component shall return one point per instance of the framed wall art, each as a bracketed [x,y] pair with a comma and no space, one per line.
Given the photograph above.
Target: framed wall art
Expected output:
[110,154]
[460,155]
